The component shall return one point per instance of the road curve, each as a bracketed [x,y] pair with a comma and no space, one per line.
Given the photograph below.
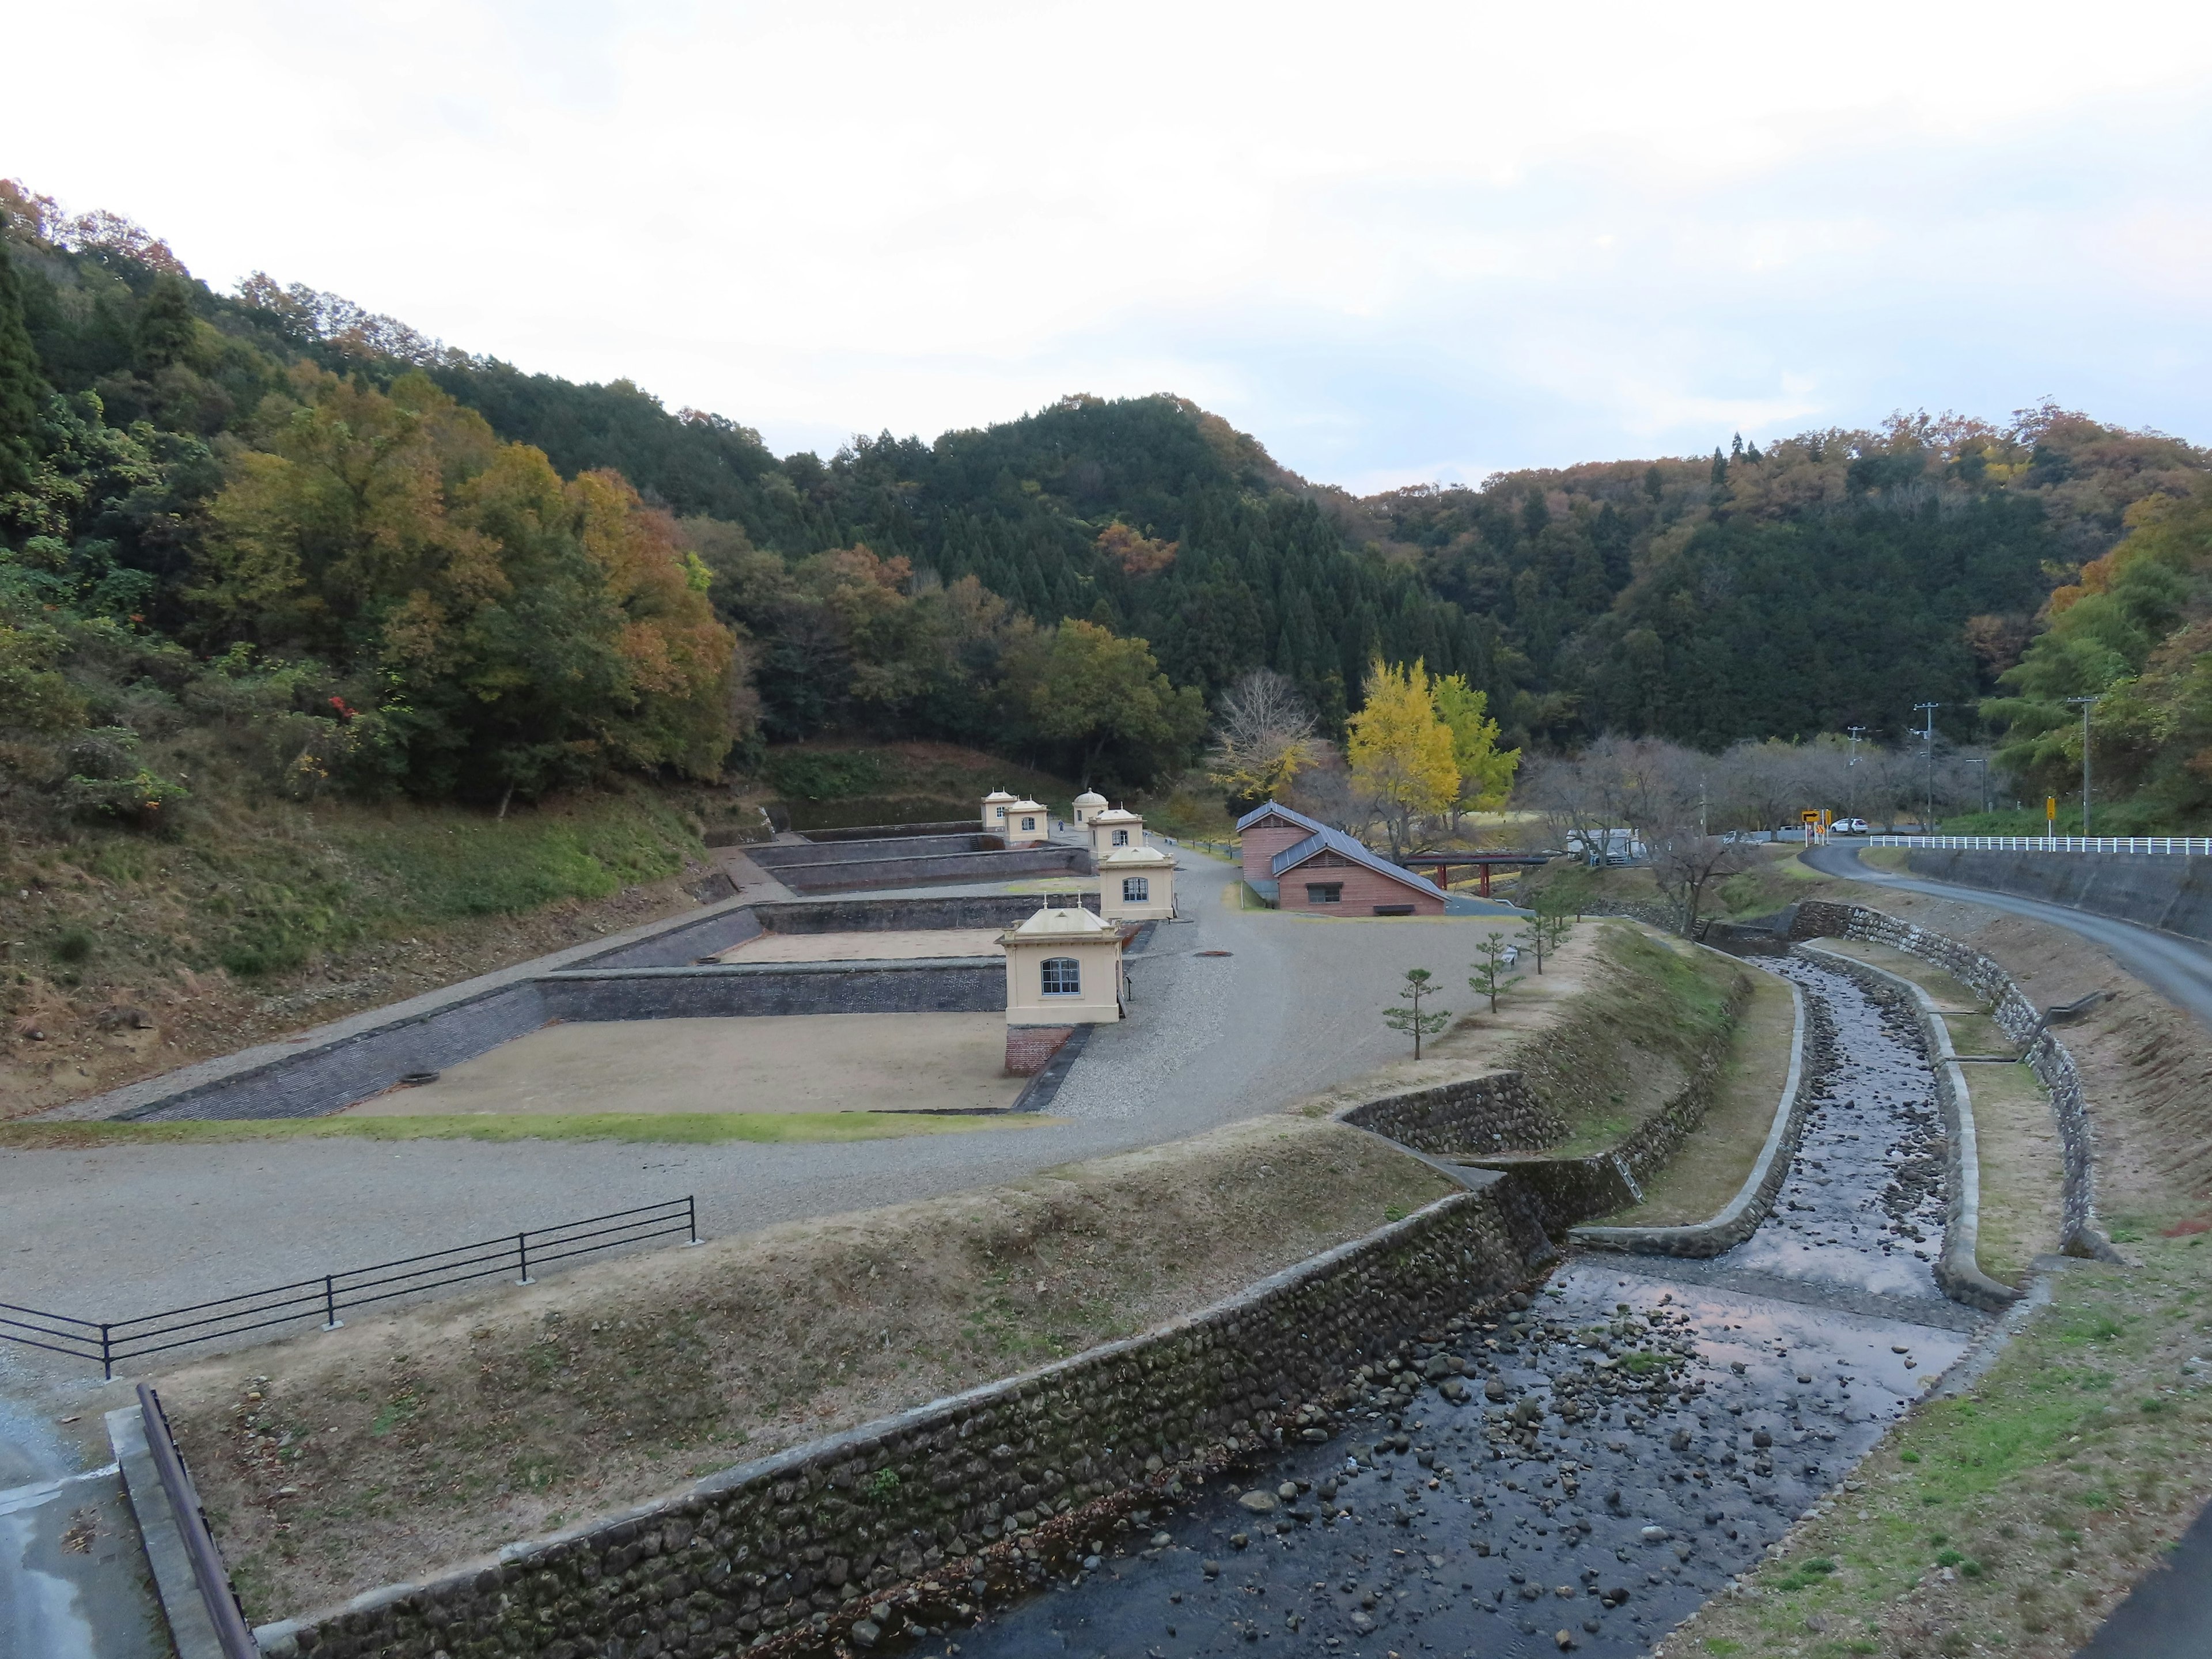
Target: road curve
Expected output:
[2179,969]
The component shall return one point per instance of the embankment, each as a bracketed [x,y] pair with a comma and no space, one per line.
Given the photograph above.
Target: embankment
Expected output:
[2169,891]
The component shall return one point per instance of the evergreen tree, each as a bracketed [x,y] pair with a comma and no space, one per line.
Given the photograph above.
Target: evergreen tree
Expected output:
[22,387]
[165,327]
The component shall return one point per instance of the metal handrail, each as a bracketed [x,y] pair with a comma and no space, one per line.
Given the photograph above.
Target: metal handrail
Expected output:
[2180,846]
[112,1340]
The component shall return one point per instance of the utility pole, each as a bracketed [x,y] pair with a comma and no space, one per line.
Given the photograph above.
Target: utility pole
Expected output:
[2087,703]
[1854,732]
[1928,738]
[1985,765]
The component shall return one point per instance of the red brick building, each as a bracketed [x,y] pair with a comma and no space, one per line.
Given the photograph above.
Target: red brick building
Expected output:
[1297,864]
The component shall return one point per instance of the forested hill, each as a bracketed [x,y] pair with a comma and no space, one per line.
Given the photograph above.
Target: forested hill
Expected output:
[920,588]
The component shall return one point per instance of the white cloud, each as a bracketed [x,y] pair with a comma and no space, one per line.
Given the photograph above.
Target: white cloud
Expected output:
[1390,241]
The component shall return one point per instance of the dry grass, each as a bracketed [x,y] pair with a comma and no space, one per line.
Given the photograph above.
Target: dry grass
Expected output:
[336,1462]
[1712,1164]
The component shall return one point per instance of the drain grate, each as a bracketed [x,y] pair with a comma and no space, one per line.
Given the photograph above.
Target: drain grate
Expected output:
[1213,953]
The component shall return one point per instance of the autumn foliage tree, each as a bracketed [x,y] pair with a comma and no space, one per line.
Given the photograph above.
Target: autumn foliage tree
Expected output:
[515,630]
[1401,750]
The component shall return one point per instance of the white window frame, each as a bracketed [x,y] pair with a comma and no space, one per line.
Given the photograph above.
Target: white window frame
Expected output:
[1120,838]
[1136,890]
[1072,973]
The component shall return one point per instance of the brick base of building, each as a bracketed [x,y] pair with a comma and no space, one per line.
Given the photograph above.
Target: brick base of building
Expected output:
[1029,1047]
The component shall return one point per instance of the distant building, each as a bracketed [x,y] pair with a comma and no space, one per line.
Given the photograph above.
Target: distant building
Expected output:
[1063,969]
[1088,805]
[994,811]
[1114,827]
[1137,884]
[1028,824]
[1296,864]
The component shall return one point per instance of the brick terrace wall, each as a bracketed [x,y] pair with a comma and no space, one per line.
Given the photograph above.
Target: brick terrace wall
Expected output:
[783,852]
[1029,1048]
[909,871]
[2021,1021]
[768,1545]
[1363,891]
[315,1082]
[1495,1113]
[968,985]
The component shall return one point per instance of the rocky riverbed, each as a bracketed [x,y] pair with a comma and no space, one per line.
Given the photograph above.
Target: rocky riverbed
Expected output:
[1577,1473]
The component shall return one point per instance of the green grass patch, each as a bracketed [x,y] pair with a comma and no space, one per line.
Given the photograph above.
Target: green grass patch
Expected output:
[685,1128]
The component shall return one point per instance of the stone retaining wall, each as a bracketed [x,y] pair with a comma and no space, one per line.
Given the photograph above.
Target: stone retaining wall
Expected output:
[781,855]
[1496,1112]
[908,869]
[1958,1270]
[1812,1051]
[810,1536]
[2020,1020]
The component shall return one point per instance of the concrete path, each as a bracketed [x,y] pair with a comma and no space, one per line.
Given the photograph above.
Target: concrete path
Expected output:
[2179,969]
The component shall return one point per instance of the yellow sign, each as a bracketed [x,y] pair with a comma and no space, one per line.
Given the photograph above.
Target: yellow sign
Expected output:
[1813,818]
[2051,809]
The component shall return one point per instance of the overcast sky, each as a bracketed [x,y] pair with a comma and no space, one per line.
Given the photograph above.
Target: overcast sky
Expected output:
[1396,243]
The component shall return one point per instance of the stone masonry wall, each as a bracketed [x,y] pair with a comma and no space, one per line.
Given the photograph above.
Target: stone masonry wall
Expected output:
[802,1538]
[2020,1020]
[1495,1113]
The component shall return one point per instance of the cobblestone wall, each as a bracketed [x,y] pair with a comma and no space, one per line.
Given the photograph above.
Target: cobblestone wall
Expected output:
[810,1536]
[2021,1021]
[1495,1113]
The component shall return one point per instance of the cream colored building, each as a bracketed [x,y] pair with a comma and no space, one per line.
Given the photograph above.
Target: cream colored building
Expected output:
[994,811]
[1088,805]
[1137,884]
[1114,827]
[1063,967]
[1028,824]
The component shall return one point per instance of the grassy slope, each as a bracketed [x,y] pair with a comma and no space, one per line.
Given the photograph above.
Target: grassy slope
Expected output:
[432,1436]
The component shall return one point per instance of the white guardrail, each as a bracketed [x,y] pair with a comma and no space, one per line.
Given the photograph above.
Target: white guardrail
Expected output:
[2191,846]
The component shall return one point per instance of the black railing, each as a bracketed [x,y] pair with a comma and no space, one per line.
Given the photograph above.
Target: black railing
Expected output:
[109,1342]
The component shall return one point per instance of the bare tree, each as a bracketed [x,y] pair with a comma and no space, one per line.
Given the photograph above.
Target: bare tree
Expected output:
[1265,738]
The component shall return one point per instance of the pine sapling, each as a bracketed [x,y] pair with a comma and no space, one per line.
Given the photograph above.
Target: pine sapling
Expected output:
[1412,1018]
[1491,977]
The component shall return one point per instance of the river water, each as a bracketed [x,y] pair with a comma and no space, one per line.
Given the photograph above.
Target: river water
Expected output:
[1628,1442]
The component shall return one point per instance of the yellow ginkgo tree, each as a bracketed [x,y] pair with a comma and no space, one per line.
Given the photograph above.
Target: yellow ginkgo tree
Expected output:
[1401,750]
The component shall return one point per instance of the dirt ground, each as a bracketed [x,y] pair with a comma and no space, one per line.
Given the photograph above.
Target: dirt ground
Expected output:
[769,1063]
[1710,1166]
[386,1450]
[862,947]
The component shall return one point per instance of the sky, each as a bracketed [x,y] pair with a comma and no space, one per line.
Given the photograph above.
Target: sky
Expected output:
[1399,244]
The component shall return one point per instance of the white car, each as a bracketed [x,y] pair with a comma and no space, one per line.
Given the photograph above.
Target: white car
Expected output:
[1849,827]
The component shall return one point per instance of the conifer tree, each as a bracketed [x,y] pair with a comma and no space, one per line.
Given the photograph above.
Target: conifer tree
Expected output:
[23,385]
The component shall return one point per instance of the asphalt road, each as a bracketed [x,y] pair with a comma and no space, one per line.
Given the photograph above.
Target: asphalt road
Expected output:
[2179,969]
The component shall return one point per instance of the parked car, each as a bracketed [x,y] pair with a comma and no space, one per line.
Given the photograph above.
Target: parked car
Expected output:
[1849,827]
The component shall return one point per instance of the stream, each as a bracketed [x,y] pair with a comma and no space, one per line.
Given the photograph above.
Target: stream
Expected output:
[1581,1471]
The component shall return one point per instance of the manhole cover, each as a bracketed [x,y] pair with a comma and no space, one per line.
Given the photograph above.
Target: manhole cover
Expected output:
[416,1080]
[1213,953]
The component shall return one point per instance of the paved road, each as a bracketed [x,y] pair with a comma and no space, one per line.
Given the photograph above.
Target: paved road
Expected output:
[2179,969]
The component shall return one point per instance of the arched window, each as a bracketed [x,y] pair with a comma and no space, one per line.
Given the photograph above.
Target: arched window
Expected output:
[1136,890]
[1063,976]
[1029,824]
[1120,838]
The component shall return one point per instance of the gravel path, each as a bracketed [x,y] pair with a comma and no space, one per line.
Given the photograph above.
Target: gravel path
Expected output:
[123,1231]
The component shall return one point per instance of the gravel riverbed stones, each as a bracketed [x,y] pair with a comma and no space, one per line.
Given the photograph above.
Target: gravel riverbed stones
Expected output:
[1616,1447]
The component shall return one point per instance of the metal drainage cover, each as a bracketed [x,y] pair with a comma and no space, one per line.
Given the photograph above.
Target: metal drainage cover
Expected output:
[1213,953]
